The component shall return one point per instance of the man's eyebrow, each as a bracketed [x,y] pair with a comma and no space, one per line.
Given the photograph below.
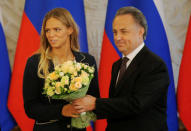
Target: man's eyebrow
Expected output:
[124,28]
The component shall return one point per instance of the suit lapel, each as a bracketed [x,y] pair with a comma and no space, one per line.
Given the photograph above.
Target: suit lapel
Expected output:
[79,56]
[131,69]
[115,71]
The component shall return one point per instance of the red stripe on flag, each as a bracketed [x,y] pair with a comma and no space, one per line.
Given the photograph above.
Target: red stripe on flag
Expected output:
[184,90]
[108,57]
[28,42]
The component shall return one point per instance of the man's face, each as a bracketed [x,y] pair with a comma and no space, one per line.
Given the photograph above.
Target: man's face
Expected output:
[128,35]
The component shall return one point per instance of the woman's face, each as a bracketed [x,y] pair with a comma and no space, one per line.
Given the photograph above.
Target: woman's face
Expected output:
[57,33]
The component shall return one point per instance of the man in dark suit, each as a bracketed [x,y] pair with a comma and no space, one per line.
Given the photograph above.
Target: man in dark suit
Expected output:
[139,82]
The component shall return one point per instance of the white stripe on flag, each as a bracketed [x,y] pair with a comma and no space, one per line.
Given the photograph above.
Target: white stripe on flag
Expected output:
[173,42]
[1,18]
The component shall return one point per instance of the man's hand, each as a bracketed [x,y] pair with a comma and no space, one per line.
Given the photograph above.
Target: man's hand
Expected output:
[84,104]
[69,111]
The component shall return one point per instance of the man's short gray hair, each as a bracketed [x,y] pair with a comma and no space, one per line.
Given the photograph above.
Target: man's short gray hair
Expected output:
[137,15]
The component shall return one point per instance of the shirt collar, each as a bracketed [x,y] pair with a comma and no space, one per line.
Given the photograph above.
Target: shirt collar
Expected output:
[131,55]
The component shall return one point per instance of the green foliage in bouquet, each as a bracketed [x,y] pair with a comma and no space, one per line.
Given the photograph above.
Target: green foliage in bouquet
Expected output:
[70,81]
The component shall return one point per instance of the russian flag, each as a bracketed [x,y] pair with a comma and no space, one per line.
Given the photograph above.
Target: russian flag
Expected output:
[184,90]
[6,120]
[28,43]
[156,40]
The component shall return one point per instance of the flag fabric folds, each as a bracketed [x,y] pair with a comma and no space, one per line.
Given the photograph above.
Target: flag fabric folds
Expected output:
[28,43]
[184,90]
[6,120]
[156,40]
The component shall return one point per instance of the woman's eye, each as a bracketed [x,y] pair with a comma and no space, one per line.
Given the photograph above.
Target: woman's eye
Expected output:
[57,29]
[47,31]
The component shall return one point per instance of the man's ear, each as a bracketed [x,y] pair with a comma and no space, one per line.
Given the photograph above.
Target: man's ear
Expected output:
[141,31]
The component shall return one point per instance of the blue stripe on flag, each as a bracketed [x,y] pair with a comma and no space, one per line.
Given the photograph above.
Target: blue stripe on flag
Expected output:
[156,40]
[6,120]
[36,10]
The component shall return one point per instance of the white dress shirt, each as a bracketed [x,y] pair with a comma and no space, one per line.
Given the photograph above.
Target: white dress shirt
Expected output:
[131,56]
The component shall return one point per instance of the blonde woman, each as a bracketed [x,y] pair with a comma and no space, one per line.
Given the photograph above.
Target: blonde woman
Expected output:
[59,43]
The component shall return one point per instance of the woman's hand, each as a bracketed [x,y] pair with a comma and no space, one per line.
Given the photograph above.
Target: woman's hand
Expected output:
[69,111]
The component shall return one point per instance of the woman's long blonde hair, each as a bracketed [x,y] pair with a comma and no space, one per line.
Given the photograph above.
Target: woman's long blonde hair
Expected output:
[65,17]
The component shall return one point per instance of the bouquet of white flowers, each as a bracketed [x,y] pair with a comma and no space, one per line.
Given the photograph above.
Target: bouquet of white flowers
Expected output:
[70,81]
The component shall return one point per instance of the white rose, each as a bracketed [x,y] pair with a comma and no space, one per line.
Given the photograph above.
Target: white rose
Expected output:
[58,90]
[85,80]
[50,92]
[78,85]
[61,73]
[71,69]
[91,70]
[85,66]
[78,66]
[65,68]
[65,80]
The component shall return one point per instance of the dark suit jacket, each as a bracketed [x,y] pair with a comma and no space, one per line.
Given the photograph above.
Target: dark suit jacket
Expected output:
[38,106]
[138,101]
